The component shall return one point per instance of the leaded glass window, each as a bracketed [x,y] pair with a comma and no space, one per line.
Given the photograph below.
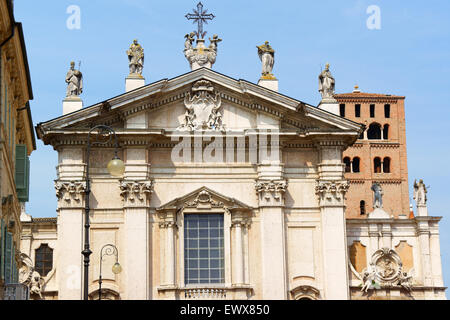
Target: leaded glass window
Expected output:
[203,249]
[44,260]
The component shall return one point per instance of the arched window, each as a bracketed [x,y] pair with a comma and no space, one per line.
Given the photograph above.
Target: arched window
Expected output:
[377,165]
[356,165]
[347,163]
[387,165]
[374,132]
[44,259]
[372,111]
[386,132]
[362,207]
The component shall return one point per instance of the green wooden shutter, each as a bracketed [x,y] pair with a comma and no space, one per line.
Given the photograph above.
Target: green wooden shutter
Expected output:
[2,251]
[22,173]
[8,260]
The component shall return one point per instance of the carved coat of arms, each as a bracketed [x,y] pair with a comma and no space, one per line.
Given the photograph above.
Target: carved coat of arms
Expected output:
[202,108]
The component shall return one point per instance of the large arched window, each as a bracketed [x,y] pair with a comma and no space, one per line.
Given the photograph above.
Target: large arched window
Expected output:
[356,165]
[374,132]
[386,132]
[377,165]
[44,259]
[387,165]
[347,163]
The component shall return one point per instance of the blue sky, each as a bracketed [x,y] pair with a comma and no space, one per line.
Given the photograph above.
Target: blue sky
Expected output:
[408,56]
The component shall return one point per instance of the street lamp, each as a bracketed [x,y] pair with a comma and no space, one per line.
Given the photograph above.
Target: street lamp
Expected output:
[110,250]
[116,168]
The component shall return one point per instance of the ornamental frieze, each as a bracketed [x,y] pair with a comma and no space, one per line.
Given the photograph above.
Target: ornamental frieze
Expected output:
[70,191]
[204,199]
[136,192]
[332,192]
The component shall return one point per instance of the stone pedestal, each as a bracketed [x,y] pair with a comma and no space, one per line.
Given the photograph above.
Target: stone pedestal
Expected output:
[330,105]
[379,213]
[422,211]
[271,84]
[134,81]
[72,104]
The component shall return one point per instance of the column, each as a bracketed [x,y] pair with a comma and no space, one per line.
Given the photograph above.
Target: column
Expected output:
[70,239]
[435,253]
[386,232]
[70,191]
[331,191]
[237,251]
[169,225]
[424,242]
[273,247]
[136,197]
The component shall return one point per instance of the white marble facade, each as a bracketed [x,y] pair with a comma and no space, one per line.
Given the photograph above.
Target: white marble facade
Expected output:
[285,235]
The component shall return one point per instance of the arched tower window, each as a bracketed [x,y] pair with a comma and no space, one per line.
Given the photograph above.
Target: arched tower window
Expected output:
[374,132]
[362,207]
[377,165]
[356,165]
[386,132]
[387,165]
[347,163]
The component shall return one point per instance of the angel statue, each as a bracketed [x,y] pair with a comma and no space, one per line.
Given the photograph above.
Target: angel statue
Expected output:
[136,58]
[420,193]
[368,279]
[214,41]
[189,40]
[74,80]
[267,56]
[326,83]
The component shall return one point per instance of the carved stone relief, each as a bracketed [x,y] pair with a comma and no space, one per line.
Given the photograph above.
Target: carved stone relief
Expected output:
[271,192]
[70,192]
[332,192]
[136,192]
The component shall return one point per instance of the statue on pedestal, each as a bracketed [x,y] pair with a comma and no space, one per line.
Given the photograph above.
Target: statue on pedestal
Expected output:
[378,195]
[74,80]
[420,193]
[136,58]
[326,83]
[267,56]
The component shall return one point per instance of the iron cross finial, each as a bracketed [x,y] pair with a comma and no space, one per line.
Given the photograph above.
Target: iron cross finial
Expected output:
[200,16]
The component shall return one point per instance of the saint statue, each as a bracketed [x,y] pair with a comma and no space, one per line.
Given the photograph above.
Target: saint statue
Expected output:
[378,195]
[214,41]
[74,80]
[267,56]
[136,58]
[326,83]
[420,193]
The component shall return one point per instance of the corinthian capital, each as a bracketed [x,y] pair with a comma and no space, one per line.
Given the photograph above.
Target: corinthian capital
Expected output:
[271,192]
[70,192]
[332,192]
[136,192]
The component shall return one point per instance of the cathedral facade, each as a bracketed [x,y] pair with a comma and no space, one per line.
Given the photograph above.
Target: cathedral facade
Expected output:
[231,190]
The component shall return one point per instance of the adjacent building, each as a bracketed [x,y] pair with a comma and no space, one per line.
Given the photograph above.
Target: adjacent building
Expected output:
[17,141]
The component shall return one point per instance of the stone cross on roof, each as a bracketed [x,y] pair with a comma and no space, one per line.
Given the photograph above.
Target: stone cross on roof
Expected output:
[199,16]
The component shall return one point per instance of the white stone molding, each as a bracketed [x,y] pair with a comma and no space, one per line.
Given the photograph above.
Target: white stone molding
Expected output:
[305,292]
[385,271]
[271,192]
[240,223]
[332,193]
[135,193]
[70,193]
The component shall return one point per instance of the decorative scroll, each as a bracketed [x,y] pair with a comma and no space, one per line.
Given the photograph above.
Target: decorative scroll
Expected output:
[70,192]
[271,192]
[135,191]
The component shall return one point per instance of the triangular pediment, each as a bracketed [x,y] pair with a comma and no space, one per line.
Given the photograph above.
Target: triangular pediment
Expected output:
[159,96]
[204,198]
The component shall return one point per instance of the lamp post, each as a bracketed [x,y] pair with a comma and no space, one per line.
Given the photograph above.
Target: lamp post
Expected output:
[110,250]
[116,168]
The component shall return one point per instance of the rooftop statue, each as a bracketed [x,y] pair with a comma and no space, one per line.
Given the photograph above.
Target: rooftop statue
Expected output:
[378,195]
[326,84]
[74,80]
[267,56]
[420,193]
[136,58]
